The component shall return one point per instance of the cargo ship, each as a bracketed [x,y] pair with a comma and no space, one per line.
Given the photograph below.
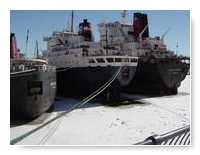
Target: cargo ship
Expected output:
[159,70]
[32,85]
[83,65]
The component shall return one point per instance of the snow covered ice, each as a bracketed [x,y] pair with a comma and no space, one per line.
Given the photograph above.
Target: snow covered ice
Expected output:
[97,124]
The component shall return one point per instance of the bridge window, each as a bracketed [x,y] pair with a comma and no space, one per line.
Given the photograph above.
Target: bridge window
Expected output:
[133,60]
[118,59]
[100,60]
[91,61]
[109,59]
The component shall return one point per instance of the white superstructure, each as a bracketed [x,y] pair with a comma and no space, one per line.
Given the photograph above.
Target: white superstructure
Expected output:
[118,34]
[66,49]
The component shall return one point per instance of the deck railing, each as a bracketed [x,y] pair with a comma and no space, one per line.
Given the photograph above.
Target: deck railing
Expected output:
[22,68]
[176,137]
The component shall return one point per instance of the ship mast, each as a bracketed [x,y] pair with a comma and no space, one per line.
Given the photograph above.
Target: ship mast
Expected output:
[177,49]
[123,14]
[26,44]
[106,41]
[162,37]
[72,21]
[36,50]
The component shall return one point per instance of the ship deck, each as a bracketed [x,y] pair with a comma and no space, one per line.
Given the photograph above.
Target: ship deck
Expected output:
[96,124]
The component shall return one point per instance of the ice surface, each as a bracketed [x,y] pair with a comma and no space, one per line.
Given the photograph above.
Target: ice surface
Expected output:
[97,124]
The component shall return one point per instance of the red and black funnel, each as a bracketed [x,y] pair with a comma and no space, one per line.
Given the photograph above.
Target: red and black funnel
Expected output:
[85,30]
[13,47]
[140,21]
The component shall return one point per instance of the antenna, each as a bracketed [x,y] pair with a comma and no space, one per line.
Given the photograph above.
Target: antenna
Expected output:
[165,34]
[123,14]
[177,49]
[26,44]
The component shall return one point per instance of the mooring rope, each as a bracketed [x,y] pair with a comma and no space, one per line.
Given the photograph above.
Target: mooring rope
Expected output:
[84,101]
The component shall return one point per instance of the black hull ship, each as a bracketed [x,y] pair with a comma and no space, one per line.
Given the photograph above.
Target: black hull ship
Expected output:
[159,70]
[31,93]
[32,86]
[83,66]
[158,76]
[83,81]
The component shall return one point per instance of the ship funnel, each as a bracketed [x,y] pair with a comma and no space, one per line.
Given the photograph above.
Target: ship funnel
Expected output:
[13,47]
[140,22]
[85,30]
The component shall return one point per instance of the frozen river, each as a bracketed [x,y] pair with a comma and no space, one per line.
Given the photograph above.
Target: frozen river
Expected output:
[97,124]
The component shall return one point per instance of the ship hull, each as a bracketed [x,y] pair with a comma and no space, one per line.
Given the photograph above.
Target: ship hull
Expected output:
[157,76]
[31,94]
[83,81]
